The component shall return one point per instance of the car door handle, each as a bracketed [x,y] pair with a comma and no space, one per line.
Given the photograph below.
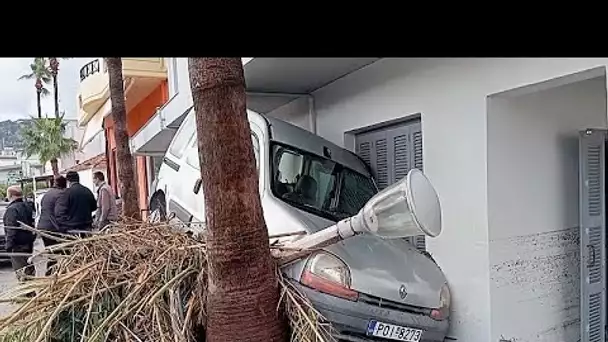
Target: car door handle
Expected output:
[197,185]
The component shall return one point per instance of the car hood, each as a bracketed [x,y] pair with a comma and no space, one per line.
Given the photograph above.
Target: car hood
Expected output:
[378,267]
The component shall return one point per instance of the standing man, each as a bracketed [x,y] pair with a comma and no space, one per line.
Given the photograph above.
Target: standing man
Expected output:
[75,206]
[47,220]
[19,240]
[106,202]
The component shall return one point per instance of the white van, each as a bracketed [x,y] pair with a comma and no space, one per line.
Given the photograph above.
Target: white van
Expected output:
[383,290]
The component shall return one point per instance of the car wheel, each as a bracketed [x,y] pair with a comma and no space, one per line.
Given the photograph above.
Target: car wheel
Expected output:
[158,208]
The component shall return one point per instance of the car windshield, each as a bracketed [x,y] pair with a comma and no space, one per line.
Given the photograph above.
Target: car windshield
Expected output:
[318,185]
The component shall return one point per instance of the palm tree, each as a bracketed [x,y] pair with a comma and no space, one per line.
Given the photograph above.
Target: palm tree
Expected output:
[126,174]
[243,295]
[54,70]
[44,137]
[42,75]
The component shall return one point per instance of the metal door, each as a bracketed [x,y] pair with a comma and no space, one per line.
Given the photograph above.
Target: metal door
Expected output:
[592,235]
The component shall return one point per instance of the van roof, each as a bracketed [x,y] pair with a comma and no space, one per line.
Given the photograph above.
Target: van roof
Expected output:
[286,133]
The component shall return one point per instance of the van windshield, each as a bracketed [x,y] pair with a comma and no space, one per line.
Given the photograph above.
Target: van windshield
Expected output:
[318,185]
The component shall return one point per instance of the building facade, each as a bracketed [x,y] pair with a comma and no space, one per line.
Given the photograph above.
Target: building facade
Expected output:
[499,140]
[145,91]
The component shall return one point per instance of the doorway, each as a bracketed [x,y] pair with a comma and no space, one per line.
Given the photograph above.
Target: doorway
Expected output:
[536,222]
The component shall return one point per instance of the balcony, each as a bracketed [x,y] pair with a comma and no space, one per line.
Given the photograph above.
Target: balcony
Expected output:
[141,75]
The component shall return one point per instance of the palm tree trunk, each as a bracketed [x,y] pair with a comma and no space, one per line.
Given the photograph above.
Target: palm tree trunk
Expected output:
[126,174]
[243,291]
[54,167]
[56,94]
[38,93]
[54,64]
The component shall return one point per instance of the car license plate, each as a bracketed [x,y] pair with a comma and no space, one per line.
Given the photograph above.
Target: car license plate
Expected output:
[393,332]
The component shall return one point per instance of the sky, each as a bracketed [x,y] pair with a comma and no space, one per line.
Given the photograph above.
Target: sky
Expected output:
[18,98]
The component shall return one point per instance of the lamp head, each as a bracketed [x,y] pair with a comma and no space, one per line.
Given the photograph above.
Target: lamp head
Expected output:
[407,208]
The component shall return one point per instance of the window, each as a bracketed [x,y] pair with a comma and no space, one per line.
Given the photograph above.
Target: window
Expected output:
[192,156]
[256,150]
[356,189]
[318,185]
[290,167]
[183,136]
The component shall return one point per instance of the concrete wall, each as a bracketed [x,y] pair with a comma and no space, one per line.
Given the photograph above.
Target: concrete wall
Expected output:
[295,112]
[451,96]
[534,209]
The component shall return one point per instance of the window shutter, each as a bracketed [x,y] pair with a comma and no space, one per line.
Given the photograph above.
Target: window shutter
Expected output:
[592,235]
[391,153]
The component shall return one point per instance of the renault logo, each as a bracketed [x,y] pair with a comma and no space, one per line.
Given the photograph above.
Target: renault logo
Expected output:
[402,292]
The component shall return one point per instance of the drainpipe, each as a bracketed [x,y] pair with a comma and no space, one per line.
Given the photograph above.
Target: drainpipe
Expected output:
[312,114]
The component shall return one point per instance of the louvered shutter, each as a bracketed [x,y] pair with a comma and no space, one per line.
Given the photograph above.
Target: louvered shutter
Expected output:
[373,149]
[592,235]
[415,135]
[391,153]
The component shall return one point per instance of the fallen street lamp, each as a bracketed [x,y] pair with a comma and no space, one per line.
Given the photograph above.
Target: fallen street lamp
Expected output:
[409,207]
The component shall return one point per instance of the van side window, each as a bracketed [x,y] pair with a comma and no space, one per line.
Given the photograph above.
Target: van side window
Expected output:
[288,171]
[325,178]
[192,156]
[256,150]
[186,130]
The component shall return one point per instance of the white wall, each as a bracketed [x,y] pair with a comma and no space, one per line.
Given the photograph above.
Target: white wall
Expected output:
[295,112]
[533,209]
[93,148]
[451,96]
[86,178]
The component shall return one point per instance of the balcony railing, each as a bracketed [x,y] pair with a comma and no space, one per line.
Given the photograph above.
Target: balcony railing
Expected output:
[89,69]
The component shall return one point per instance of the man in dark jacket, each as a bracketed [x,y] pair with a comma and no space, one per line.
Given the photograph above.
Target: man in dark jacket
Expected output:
[75,205]
[47,220]
[19,240]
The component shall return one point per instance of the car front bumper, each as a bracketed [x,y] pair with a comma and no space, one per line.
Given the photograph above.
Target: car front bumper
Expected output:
[350,319]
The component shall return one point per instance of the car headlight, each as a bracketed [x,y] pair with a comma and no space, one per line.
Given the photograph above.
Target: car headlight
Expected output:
[445,300]
[326,273]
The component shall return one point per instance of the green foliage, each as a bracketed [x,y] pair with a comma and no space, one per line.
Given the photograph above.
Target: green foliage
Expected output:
[3,191]
[39,72]
[44,137]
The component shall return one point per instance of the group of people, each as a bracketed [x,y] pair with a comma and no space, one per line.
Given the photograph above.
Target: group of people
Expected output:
[67,208]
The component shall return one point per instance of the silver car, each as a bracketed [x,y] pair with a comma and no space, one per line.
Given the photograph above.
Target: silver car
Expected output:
[369,288]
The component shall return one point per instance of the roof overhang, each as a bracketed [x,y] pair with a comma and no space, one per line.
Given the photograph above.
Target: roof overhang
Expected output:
[274,82]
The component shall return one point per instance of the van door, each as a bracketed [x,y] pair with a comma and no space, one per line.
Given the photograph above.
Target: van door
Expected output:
[190,173]
[592,234]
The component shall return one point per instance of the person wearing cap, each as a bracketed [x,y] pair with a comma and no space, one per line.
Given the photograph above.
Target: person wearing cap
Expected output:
[75,206]
[19,241]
